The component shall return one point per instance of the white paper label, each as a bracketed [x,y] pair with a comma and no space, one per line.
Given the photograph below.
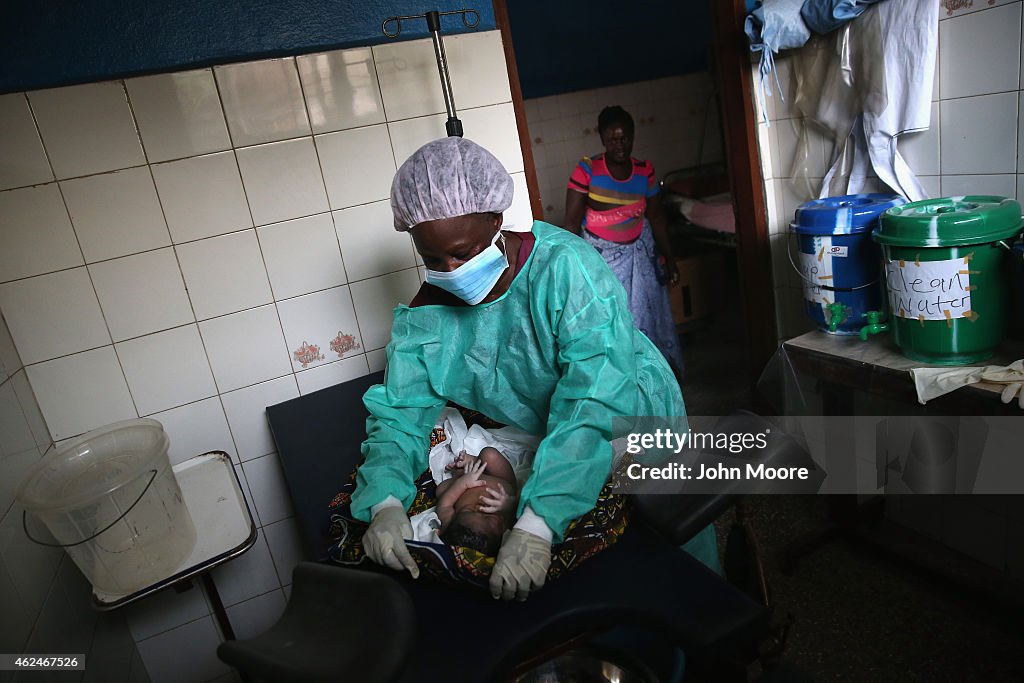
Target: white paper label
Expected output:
[816,270]
[930,290]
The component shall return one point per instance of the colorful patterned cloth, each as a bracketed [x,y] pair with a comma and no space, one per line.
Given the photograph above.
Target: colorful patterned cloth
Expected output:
[584,538]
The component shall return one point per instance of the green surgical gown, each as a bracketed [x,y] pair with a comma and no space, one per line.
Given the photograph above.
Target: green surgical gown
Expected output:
[557,355]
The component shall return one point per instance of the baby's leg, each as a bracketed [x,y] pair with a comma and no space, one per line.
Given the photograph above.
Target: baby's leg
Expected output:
[498,466]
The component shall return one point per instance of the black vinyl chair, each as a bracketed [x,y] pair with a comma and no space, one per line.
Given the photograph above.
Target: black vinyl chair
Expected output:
[457,634]
[326,629]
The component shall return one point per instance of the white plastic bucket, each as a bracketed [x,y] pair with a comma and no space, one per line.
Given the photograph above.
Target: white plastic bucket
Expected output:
[110,499]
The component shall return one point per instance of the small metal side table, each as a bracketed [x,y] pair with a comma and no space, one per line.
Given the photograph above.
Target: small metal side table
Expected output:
[224,530]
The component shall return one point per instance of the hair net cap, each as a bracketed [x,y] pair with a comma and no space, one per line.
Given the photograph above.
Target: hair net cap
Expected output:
[447,178]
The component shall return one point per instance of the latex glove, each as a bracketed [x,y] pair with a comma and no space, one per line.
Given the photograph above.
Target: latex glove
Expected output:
[1012,390]
[934,382]
[521,567]
[384,541]
[1012,379]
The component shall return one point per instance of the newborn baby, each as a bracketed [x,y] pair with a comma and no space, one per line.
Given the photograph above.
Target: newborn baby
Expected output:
[477,505]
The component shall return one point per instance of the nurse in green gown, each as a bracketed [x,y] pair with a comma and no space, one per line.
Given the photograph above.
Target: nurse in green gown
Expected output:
[531,329]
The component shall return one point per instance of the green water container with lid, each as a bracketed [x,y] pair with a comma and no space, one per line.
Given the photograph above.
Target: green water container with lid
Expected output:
[945,275]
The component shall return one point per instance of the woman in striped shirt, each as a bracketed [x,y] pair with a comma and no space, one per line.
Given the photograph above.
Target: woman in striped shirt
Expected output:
[612,202]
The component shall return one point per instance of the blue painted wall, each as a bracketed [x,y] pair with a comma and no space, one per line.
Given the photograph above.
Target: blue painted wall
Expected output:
[46,43]
[568,45]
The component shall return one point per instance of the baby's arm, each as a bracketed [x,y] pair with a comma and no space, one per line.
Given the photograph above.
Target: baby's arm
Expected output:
[447,495]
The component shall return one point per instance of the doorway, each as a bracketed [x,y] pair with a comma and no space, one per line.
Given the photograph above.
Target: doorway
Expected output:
[666,63]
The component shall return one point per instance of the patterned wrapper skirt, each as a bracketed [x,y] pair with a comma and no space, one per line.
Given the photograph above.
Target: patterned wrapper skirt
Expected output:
[634,265]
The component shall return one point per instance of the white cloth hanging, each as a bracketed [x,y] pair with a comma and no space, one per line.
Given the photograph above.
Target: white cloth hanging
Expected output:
[894,99]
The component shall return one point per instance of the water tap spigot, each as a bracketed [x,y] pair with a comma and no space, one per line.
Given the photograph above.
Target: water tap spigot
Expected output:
[874,325]
[836,313]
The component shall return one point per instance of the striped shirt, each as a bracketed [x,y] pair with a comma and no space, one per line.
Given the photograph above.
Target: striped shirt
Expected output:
[627,198]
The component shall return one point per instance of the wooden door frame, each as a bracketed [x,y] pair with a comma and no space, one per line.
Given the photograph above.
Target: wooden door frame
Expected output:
[501,19]
[739,123]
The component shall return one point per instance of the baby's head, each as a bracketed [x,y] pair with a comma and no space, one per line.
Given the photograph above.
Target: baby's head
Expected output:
[477,530]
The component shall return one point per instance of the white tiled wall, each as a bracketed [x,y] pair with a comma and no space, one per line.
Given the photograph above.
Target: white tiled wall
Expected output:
[677,125]
[194,247]
[973,146]
[45,599]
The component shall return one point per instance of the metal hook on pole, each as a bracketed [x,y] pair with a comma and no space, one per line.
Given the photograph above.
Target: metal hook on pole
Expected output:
[453,126]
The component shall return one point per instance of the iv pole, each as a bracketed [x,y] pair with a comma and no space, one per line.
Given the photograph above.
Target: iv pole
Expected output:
[453,126]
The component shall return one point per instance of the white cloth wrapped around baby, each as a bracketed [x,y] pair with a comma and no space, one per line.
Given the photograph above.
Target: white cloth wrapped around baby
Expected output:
[515,445]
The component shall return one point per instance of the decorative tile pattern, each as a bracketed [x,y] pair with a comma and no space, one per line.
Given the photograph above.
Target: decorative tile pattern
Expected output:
[312,322]
[344,343]
[307,353]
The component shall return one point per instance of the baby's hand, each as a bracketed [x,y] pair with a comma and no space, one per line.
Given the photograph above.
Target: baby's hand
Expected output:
[474,468]
[458,463]
[496,500]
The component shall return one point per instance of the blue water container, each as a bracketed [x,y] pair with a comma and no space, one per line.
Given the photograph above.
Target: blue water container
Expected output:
[839,264]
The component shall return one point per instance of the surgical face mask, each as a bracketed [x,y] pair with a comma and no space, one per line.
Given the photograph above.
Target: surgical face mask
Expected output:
[475,278]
